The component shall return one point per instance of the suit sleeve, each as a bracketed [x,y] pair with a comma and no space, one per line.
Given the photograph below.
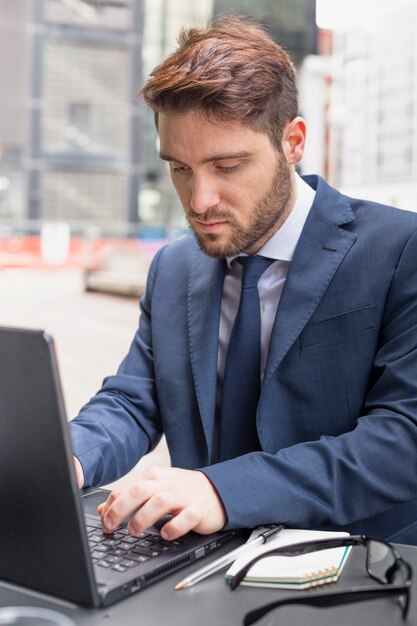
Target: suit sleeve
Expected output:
[358,474]
[121,422]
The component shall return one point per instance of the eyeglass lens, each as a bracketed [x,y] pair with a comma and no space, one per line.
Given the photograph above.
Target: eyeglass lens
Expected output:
[383,565]
[380,561]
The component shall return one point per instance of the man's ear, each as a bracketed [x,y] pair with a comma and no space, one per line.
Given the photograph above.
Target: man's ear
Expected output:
[293,140]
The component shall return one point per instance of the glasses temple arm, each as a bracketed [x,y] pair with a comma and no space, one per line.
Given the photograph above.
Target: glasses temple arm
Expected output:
[297,550]
[326,600]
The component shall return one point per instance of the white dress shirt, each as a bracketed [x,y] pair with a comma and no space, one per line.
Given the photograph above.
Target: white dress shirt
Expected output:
[281,247]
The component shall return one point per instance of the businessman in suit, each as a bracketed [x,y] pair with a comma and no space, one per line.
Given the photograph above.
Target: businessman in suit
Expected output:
[324,434]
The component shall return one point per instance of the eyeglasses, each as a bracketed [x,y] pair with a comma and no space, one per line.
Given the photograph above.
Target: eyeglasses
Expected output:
[383,564]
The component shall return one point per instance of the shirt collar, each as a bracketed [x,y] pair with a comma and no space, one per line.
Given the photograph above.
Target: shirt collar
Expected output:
[282,244]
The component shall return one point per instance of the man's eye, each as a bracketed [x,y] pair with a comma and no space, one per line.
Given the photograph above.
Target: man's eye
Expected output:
[180,169]
[227,170]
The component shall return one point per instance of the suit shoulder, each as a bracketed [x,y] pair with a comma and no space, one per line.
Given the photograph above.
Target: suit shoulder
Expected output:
[357,213]
[178,253]
[384,213]
[381,222]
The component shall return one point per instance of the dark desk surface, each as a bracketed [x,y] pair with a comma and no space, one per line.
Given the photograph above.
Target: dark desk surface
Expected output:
[211,603]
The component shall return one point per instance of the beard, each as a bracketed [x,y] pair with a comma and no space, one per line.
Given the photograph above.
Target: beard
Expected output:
[266,218]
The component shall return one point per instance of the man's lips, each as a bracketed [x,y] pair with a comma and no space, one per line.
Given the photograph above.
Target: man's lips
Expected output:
[209,227]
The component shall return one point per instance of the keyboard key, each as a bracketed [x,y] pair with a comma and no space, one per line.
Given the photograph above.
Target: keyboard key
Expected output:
[128,563]
[104,564]
[98,535]
[139,558]
[125,546]
[118,535]
[130,539]
[111,542]
[98,555]
[119,568]
[101,547]
[93,541]
[168,545]
[145,551]
[117,552]
[113,559]
[144,543]
[126,533]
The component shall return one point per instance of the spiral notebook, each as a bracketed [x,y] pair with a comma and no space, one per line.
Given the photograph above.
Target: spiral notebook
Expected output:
[293,572]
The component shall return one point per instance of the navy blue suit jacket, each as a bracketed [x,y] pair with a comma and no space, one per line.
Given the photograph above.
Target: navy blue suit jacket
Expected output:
[337,417]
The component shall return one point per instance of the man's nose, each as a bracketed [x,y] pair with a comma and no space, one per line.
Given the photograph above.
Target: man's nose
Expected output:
[204,195]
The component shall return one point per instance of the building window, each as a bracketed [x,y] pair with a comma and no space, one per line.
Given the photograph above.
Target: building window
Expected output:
[85,99]
[78,197]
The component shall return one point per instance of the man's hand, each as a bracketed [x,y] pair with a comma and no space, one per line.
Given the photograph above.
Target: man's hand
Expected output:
[187,495]
[79,472]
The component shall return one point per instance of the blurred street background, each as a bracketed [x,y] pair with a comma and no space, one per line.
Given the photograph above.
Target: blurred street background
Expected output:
[79,165]
[84,199]
[92,331]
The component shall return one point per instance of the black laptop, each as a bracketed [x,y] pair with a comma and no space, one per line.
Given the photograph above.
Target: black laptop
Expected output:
[51,538]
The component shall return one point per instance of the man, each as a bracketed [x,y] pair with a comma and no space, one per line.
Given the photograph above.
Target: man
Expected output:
[331,439]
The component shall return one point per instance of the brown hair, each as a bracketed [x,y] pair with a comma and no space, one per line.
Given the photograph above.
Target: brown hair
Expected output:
[231,71]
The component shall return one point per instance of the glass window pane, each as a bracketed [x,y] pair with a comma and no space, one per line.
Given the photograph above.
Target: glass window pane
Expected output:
[85,99]
[102,13]
[82,196]
[11,192]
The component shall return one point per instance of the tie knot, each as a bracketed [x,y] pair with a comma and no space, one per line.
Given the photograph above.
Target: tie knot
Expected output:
[253,268]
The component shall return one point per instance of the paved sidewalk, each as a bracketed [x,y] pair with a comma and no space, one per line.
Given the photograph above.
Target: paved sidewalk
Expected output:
[92,331]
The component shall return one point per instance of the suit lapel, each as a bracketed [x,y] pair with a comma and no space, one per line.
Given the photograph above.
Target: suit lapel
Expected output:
[204,304]
[321,248]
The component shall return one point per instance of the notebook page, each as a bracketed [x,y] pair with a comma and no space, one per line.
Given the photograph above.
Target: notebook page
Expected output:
[293,572]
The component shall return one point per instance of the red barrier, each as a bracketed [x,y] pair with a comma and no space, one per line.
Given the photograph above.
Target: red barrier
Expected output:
[25,251]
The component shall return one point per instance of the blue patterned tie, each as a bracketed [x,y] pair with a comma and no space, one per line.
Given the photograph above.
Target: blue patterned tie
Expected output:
[242,377]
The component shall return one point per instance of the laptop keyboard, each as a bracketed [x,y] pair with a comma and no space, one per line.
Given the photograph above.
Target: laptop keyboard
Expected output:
[120,551]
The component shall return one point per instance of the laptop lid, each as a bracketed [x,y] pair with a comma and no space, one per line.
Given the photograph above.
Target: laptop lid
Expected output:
[44,537]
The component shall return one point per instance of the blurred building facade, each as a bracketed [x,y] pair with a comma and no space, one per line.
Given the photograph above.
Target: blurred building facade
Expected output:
[75,145]
[292,23]
[13,118]
[73,149]
[373,113]
[164,19]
